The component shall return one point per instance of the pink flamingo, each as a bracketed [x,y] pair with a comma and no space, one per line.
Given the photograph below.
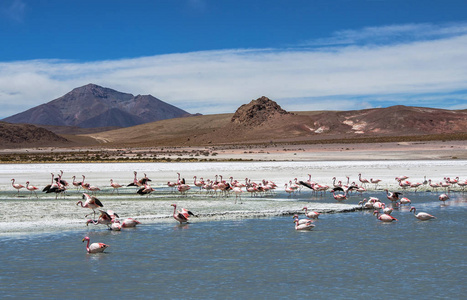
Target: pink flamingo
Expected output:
[405,201]
[105,219]
[130,222]
[339,197]
[145,190]
[305,226]
[115,185]
[311,214]
[443,197]
[17,186]
[375,182]
[401,178]
[423,216]
[76,184]
[302,221]
[181,216]
[362,180]
[95,247]
[31,188]
[393,196]
[384,217]
[91,202]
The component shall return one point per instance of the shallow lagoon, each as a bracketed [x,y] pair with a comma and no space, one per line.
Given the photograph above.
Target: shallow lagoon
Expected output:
[253,251]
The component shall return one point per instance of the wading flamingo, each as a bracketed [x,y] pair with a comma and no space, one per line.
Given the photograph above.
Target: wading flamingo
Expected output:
[443,197]
[182,215]
[384,217]
[306,226]
[423,216]
[95,247]
[311,214]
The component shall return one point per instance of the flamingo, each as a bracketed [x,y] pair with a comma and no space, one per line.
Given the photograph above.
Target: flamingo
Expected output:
[105,219]
[238,193]
[31,188]
[289,190]
[311,214]
[443,197]
[393,196]
[56,187]
[199,183]
[339,197]
[91,202]
[435,185]
[130,222]
[405,200]
[301,221]
[384,217]
[306,226]
[17,186]
[116,226]
[362,180]
[115,185]
[76,183]
[375,182]
[181,216]
[95,247]
[401,178]
[423,216]
[145,190]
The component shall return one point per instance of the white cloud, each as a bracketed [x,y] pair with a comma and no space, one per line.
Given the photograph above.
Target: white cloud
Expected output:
[298,79]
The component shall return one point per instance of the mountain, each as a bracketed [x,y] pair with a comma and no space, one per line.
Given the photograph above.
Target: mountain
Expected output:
[92,106]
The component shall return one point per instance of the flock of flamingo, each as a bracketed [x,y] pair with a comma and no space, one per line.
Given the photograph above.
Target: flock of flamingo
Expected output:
[220,187]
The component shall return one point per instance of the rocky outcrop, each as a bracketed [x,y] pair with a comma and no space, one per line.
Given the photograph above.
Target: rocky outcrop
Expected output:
[257,112]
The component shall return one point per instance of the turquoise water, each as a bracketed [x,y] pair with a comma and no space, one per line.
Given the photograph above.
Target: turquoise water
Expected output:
[348,255]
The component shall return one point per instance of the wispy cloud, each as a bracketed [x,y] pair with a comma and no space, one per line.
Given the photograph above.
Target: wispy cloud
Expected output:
[421,72]
[13,10]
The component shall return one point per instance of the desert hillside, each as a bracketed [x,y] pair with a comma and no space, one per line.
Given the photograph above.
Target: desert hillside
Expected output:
[264,121]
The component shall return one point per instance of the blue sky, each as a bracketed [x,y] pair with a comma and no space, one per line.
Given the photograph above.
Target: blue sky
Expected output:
[210,56]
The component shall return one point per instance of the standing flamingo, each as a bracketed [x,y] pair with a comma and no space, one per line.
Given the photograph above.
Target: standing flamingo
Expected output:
[76,184]
[115,185]
[31,188]
[443,197]
[17,186]
[181,216]
[91,202]
[423,216]
[95,247]
[363,180]
[375,182]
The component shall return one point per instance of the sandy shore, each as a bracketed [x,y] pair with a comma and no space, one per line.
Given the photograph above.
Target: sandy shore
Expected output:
[340,152]
[431,150]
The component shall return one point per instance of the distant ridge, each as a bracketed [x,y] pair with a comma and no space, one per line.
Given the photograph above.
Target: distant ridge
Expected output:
[93,106]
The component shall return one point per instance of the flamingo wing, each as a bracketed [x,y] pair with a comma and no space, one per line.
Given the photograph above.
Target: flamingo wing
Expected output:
[97,201]
[305,184]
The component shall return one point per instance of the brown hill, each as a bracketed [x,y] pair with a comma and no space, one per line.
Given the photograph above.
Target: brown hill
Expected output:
[263,121]
[24,135]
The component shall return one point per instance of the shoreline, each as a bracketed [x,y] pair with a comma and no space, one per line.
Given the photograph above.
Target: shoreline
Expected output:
[432,150]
